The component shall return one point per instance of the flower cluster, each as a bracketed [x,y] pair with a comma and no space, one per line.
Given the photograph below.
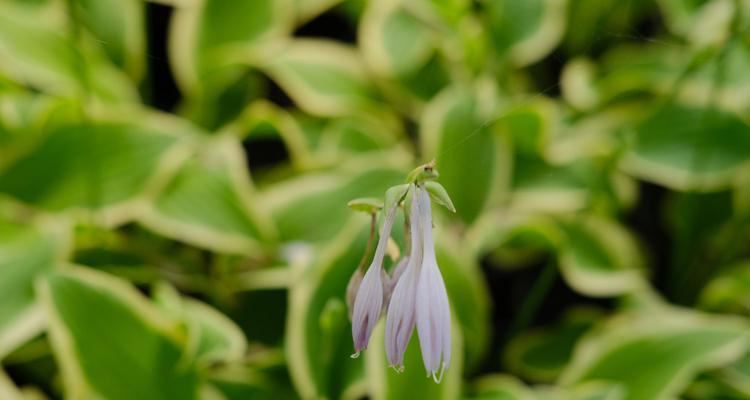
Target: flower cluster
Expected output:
[414,294]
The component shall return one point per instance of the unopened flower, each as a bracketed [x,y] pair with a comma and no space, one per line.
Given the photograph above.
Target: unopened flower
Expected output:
[368,301]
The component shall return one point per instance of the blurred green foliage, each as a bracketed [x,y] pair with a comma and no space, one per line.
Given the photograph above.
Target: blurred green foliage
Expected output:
[159,251]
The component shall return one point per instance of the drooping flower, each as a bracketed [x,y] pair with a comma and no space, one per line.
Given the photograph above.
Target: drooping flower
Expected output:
[414,294]
[433,310]
[420,299]
[368,302]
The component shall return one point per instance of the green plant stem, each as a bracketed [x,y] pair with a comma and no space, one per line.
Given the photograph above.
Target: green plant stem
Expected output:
[370,243]
[534,300]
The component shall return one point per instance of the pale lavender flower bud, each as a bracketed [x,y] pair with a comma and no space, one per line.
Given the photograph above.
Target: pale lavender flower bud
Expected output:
[367,308]
[368,302]
[352,288]
[401,316]
[433,316]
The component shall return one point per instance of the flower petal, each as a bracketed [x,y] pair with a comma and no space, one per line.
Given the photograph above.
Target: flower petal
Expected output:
[368,302]
[367,308]
[433,317]
[400,319]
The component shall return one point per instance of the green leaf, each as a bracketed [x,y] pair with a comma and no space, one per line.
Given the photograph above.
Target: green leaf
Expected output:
[387,384]
[317,341]
[514,239]
[588,16]
[539,186]
[454,133]
[210,202]
[242,382]
[394,41]
[701,23]
[322,77]
[540,355]
[119,25]
[26,253]
[212,336]
[35,52]
[357,134]
[122,158]
[526,30]
[686,148]
[319,200]
[262,119]
[211,34]
[656,355]
[111,342]
[598,257]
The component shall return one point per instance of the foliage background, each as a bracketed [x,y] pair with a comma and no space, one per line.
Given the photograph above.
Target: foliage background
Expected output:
[174,174]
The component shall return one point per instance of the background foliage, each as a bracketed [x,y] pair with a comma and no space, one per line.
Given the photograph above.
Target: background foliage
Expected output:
[174,174]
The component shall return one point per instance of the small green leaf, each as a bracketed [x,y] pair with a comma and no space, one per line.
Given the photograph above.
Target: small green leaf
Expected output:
[440,195]
[111,342]
[367,205]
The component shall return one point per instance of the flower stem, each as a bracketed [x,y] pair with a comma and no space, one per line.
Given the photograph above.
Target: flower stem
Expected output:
[370,243]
